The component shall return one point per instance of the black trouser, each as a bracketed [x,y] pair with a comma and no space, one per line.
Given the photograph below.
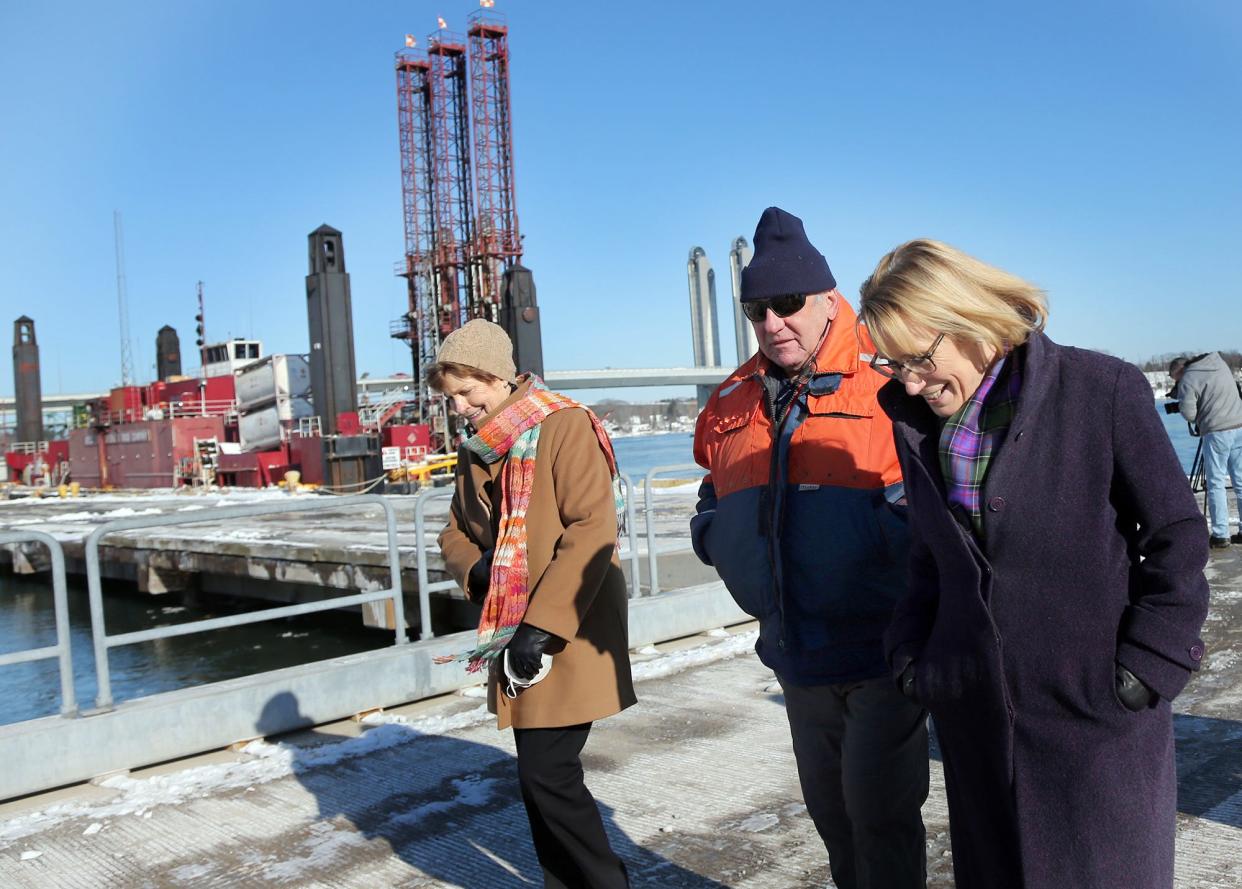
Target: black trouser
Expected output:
[564,820]
[861,750]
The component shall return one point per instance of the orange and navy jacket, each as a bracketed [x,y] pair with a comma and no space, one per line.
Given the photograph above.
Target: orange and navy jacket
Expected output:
[805,520]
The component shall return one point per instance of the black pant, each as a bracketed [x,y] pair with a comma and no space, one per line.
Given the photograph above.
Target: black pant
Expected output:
[564,820]
[861,750]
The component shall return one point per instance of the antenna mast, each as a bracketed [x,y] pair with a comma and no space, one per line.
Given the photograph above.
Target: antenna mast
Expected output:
[122,302]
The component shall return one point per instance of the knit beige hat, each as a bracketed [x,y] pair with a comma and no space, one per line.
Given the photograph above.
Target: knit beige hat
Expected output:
[482,345]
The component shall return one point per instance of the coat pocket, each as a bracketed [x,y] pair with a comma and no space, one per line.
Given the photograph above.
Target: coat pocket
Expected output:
[739,554]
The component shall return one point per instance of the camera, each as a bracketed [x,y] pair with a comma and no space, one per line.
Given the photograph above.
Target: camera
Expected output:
[1172,407]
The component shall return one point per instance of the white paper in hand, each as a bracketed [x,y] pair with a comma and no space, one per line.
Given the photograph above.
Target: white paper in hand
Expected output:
[515,683]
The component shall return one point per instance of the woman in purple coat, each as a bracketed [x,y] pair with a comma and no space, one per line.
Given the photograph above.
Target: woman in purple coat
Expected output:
[1057,587]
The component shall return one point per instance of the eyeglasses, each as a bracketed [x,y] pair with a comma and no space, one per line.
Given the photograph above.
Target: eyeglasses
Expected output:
[919,365]
[781,306]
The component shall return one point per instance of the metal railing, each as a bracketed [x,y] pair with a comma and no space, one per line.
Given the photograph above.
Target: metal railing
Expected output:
[60,600]
[102,641]
[653,577]
[631,532]
[425,586]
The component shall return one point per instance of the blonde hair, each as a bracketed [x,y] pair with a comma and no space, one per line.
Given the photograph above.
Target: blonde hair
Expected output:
[436,372]
[925,285]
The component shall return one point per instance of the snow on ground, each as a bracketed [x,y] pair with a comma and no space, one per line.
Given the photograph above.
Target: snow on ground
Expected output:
[269,761]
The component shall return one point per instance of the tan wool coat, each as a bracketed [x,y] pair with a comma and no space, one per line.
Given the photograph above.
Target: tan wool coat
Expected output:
[578,592]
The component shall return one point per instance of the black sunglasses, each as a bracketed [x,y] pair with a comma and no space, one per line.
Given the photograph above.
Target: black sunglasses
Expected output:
[781,306]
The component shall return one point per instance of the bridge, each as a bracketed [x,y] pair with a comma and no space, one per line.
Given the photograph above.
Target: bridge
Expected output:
[601,378]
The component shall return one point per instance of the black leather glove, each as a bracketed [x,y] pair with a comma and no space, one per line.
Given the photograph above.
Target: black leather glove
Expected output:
[526,650]
[480,576]
[1131,690]
[906,682]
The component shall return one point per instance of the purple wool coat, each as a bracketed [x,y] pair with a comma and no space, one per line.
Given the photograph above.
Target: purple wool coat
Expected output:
[1094,555]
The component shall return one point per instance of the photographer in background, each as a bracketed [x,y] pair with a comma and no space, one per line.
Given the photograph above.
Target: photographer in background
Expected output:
[1207,396]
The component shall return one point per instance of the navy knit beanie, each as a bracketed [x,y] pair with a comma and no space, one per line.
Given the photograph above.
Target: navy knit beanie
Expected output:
[785,262]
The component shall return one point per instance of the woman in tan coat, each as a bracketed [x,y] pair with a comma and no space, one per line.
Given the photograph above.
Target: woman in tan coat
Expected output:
[532,536]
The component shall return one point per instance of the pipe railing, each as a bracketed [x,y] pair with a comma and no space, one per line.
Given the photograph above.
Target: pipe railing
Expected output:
[653,578]
[61,651]
[631,532]
[425,586]
[102,641]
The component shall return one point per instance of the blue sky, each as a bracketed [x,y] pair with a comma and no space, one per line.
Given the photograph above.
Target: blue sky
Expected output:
[1092,147]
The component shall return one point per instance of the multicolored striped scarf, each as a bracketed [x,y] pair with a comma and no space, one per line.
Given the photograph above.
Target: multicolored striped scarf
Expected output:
[515,431]
[972,436]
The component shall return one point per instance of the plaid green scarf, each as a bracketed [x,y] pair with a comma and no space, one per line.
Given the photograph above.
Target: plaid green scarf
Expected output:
[972,436]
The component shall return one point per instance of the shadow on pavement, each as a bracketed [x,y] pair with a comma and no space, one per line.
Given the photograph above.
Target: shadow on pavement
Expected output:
[448,808]
[1209,764]
[1209,767]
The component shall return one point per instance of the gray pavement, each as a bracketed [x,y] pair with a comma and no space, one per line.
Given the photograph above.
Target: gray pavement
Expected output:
[697,785]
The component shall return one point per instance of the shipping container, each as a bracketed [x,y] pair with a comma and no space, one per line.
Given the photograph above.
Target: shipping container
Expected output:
[261,429]
[272,378]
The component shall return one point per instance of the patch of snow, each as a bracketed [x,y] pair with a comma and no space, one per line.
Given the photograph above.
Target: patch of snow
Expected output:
[689,487]
[678,661]
[758,822]
[190,873]
[94,828]
[325,845]
[266,761]
[30,855]
[472,790]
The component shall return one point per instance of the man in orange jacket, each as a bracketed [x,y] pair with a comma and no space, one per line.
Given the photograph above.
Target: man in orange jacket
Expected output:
[803,516]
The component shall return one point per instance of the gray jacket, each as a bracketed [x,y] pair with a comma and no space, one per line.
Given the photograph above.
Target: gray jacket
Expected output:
[1208,395]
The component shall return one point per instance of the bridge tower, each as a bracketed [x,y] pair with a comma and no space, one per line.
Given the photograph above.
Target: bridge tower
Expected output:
[704,322]
[743,333]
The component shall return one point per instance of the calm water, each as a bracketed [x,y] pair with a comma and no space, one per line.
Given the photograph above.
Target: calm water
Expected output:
[33,689]
[26,621]
[638,453]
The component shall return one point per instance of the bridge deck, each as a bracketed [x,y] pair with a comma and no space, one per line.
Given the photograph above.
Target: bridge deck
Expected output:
[697,785]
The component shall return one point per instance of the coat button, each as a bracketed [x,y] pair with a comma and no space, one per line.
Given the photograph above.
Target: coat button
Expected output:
[1196,653]
[996,504]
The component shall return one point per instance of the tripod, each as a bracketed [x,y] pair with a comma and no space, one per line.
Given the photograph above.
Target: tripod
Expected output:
[1198,471]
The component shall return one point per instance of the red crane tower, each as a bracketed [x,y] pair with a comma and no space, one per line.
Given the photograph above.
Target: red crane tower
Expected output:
[414,129]
[451,182]
[462,244]
[497,243]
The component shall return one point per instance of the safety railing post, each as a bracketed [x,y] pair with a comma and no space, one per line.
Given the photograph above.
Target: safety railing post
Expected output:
[631,534]
[62,650]
[394,567]
[653,586]
[420,542]
[102,641]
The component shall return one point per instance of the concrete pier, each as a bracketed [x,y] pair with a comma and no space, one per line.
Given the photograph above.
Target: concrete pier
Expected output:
[697,785]
[291,558]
